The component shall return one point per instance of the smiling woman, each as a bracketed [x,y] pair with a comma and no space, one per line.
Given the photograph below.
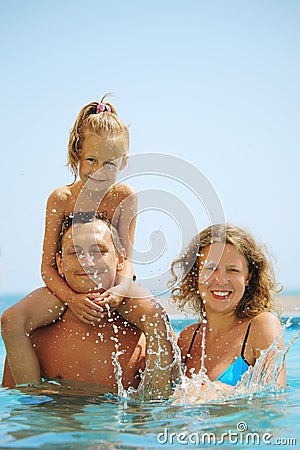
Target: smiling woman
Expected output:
[223,276]
[230,287]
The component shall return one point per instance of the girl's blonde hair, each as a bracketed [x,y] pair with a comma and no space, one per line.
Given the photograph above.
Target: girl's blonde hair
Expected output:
[258,294]
[102,121]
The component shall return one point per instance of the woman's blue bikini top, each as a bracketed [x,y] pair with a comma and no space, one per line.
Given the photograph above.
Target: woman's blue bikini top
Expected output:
[235,371]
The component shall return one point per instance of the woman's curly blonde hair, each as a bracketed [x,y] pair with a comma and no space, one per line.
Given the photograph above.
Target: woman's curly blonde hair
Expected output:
[89,120]
[258,294]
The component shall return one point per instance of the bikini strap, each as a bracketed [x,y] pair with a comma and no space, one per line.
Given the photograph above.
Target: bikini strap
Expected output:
[191,344]
[245,339]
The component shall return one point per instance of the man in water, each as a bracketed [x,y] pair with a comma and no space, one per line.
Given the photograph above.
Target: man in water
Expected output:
[89,259]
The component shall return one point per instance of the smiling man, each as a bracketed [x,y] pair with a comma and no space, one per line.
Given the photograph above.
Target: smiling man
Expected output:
[89,258]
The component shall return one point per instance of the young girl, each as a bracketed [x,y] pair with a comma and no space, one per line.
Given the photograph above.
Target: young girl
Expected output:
[98,148]
[230,287]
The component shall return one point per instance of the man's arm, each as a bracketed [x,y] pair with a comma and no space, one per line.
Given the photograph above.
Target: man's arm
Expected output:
[7,379]
[145,312]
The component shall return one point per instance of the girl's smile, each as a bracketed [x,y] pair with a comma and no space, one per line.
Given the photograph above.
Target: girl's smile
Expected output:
[101,159]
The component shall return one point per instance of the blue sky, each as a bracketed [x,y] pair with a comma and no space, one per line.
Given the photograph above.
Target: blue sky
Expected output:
[215,83]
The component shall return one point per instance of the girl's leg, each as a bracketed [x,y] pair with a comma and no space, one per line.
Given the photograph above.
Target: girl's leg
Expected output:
[37,309]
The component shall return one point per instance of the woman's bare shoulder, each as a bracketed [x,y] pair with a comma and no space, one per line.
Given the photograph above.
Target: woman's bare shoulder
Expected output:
[264,319]
[187,332]
[265,327]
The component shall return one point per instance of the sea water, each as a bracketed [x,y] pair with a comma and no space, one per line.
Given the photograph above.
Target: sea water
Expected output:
[72,416]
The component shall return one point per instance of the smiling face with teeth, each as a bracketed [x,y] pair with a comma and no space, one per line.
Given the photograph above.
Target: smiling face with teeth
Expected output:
[88,259]
[223,277]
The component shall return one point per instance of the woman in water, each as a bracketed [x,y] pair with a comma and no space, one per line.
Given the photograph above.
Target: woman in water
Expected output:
[229,285]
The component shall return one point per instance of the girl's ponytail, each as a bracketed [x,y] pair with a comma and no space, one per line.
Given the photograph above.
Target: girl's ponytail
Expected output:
[99,118]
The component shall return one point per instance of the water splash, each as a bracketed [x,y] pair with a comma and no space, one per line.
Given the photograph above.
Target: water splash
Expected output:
[156,383]
[118,370]
[262,377]
[258,380]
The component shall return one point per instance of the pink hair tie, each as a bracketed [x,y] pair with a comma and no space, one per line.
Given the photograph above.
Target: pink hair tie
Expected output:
[102,107]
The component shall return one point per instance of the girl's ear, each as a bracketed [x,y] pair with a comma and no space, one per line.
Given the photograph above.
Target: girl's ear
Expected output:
[59,264]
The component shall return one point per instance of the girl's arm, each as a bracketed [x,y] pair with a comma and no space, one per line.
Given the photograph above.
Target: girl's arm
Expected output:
[265,330]
[80,304]
[125,221]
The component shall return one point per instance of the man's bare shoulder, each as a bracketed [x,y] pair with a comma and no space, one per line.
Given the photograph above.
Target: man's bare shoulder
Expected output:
[136,290]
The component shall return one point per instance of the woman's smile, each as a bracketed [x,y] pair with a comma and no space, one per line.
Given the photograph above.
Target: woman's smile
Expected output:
[220,294]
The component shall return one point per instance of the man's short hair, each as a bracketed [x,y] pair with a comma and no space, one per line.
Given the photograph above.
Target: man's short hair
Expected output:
[86,217]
